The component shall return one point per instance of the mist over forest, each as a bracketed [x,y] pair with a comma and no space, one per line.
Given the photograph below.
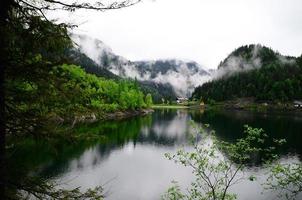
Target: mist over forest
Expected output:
[150,99]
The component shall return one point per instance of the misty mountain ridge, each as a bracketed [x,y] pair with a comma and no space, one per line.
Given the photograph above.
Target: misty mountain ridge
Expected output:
[105,56]
[75,56]
[255,71]
[183,76]
[179,77]
[249,57]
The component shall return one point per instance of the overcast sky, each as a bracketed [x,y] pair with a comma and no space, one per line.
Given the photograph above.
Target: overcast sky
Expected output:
[205,31]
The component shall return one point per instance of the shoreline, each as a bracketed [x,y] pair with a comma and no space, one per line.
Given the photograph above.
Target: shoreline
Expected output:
[95,116]
[127,114]
[159,106]
[170,106]
[255,106]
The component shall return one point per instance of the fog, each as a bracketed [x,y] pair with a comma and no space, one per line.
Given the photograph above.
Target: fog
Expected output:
[205,31]
[234,64]
[182,78]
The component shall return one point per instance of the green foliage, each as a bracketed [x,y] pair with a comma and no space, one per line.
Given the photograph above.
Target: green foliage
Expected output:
[68,92]
[31,45]
[40,189]
[90,91]
[34,87]
[76,57]
[173,193]
[211,101]
[218,165]
[158,91]
[252,146]
[276,80]
[148,100]
[285,179]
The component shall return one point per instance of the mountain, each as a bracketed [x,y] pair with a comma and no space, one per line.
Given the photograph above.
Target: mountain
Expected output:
[255,71]
[247,58]
[182,76]
[103,59]
[158,91]
[75,56]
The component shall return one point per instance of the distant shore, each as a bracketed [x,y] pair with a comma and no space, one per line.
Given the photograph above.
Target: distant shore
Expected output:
[175,106]
[247,104]
[170,106]
[250,105]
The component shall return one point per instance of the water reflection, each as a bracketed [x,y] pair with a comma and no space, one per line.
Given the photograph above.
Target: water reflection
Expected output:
[139,172]
[229,126]
[167,131]
[130,157]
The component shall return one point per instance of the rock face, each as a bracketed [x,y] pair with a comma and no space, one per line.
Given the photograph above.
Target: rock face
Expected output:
[183,76]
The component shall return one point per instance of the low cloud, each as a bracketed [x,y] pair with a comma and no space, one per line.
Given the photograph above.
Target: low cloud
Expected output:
[183,81]
[286,60]
[179,75]
[238,64]
[93,48]
[183,76]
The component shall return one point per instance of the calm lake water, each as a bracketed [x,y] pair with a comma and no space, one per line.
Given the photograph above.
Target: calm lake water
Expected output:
[129,160]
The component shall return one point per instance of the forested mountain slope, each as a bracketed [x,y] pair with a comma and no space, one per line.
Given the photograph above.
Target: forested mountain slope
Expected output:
[102,62]
[181,76]
[75,56]
[255,71]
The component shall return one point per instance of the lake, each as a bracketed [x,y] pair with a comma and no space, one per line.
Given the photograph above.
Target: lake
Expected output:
[129,159]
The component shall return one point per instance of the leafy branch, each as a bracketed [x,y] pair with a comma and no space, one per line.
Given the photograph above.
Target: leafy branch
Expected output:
[286,179]
[218,165]
[34,188]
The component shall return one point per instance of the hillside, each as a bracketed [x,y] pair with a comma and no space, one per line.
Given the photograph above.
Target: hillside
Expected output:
[255,71]
[179,75]
[76,57]
[102,62]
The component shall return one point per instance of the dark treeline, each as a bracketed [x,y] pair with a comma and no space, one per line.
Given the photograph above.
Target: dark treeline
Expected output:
[158,91]
[39,82]
[75,56]
[278,78]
